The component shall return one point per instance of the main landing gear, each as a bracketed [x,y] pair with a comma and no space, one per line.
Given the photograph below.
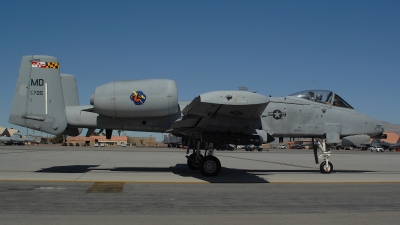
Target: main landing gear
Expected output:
[325,166]
[208,164]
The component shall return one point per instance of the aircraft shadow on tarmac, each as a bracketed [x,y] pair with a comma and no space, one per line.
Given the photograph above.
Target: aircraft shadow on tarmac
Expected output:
[227,175]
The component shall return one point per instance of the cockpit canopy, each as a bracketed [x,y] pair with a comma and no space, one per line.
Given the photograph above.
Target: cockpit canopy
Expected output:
[324,97]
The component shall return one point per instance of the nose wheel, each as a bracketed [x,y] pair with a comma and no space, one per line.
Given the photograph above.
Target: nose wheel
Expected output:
[326,167]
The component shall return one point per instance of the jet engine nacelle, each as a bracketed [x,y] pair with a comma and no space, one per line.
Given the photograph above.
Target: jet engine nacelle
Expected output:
[136,99]
[355,140]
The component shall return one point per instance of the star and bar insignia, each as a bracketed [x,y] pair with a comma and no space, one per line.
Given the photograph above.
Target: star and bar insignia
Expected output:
[277,114]
[46,65]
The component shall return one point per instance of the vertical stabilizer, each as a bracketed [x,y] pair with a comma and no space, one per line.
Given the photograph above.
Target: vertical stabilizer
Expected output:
[38,98]
[70,90]
[71,98]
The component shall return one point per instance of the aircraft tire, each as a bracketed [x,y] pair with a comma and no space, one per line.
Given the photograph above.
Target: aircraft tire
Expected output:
[322,169]
[210,166]
[191,162]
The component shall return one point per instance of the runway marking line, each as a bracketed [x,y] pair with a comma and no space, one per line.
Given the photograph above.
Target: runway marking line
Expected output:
[106,187]
[335,182]
[109,181]
[202,182]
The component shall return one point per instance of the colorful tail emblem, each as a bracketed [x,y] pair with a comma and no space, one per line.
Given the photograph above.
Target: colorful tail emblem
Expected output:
[138,97]
[45,65]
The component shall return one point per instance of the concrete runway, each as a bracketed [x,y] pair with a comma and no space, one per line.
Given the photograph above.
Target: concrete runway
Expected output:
[64,185]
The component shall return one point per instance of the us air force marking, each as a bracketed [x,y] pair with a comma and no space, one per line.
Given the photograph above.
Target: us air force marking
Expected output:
[277,114]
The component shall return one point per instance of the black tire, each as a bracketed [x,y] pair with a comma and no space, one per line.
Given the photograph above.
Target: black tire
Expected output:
[191,162]
[322,169]
[210,166]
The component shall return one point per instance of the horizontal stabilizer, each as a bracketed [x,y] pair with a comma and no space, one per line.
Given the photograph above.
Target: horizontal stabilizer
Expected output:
[70,90]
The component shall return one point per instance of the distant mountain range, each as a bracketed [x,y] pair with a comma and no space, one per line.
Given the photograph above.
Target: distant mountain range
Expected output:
[391,127]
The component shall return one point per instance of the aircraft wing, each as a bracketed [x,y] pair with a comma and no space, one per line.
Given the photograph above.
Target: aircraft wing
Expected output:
[30,139]
[5,139]
[222,112]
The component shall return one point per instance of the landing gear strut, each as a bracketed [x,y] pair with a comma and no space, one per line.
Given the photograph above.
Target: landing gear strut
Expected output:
[194,159]
[325,166]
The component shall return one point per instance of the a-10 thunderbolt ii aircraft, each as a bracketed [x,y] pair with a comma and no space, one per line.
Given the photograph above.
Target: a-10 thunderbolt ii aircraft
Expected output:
[48,101]
[17,139]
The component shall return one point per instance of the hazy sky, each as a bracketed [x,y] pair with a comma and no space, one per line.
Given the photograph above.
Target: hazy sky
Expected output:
[273,47]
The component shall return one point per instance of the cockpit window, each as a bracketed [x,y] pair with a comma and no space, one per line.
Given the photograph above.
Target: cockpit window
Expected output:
[323,97]
[320,96]
[339,102]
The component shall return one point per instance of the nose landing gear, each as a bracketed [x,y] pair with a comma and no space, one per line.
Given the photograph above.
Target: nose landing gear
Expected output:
[326,166]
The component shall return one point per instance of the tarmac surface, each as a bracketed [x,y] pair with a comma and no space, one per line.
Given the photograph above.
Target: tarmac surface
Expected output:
[115,185]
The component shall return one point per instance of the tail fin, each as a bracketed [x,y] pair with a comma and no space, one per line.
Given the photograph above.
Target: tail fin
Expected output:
[71,98]
[70,90]
[38,98]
